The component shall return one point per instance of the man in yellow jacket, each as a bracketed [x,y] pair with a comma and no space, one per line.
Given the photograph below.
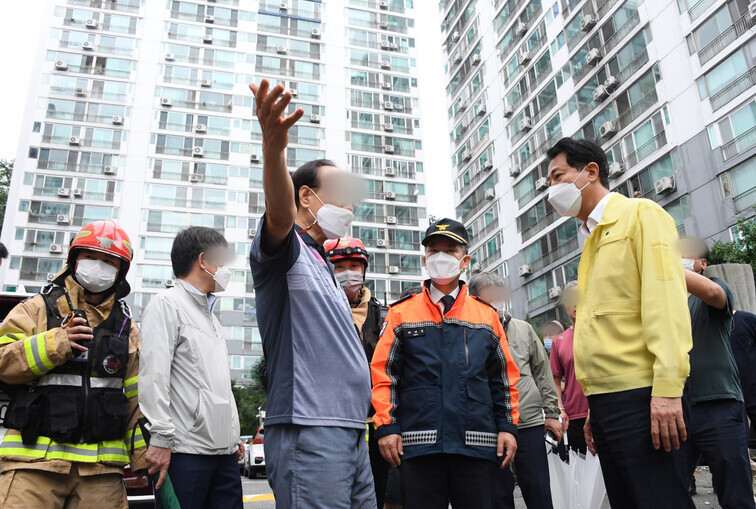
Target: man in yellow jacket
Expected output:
[69,359]
[632,334]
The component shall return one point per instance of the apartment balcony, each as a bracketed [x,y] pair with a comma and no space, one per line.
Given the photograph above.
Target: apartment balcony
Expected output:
[186,177]
[746,200]
[64,166]
[187,203]
[83,142]
[381,172]
[624,76]
[555,254]
[645,150]
[282,71]
[33,275]
[474,181]
[201,18]
[577,37]
[214,42]
[290,52]
[637,110]
[538,302]
[87,195]
[44,247]
[739,144]
[541,149]
[100,48]
[97,71]
[189,152]
[92,94]
[284,30]
[699,8]
[736,87]
[480,205]
[399,197]
[106,27]
[621,33]
[204,106]
[532,231]
[478,236]
[112,5]
[377,84]
[189,128]
[731,33]
[605,7]
[378,126]
[81,117]
[516,8]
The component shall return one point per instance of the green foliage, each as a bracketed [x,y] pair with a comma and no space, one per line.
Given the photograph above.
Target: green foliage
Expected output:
[6,170]
[742,250]
[250,399]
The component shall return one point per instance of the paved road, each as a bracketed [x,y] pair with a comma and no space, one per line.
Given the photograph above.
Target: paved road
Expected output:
[257,493]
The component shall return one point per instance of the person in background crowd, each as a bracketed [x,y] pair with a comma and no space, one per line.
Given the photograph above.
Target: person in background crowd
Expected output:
[318,380]
[3,252]
[719,426]
[186,382]
[350,262]
[743,342]
[77,331]
[536,399]
[549,331]
[443,385]
[632,332]
[572,402]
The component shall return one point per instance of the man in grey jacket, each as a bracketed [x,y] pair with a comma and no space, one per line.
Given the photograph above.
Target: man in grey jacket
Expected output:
[186,384]
[537,398]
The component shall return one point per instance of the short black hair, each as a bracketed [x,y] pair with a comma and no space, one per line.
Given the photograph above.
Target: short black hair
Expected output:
[702,251]
[188,245]
[3,251]
[307,175]
[581,152]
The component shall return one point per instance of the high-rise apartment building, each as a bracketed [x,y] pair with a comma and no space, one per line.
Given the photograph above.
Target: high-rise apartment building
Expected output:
[666,87]
[139,111]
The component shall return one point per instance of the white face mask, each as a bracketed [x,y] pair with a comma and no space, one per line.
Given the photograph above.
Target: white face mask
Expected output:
[689,264]
[567,198]
[95,275]
[221,277]
[334,221]
[351,282]
[442,268]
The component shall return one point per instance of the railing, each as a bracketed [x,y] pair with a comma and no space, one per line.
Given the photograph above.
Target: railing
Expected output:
[576,38]
[726,37]
[538,302]
[699,8]
[83,142]
[525,198]
[285,30]
[545,108]
[196,105]
[476,208]
[605,7]
[112,5]
[216,42]
[99,71]
[59,165]
[645,150]
[541,149]
[184,177]
[734,89]
[532,231]
[555,254]
[622,32]
[201,18]
[637,110]
[740,143]
[584,71]
[517,6]
[91,94]
[103,48]
[291,52]
[745,200]
[81,117]
[187,128]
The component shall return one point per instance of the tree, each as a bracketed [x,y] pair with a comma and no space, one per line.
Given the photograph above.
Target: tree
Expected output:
[6,170]
[741,250]
[250,398]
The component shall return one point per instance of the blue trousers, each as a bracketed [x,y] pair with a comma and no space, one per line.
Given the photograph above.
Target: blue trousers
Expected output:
[636,475]
[313,467]
[202,481]
[719,432]
[532,473]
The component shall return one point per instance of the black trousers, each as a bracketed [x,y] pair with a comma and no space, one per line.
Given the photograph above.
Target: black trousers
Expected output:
[203,482]
[637,475]
[576,436]
[379,467]
[435,480]
[532,473]
[719,433]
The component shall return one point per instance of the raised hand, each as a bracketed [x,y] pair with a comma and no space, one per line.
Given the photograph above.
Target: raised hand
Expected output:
[271,105]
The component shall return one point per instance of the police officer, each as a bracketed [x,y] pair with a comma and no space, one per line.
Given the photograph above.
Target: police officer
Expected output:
[69,359]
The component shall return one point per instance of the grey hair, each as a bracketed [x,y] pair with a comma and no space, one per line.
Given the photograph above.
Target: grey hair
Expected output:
[480,281]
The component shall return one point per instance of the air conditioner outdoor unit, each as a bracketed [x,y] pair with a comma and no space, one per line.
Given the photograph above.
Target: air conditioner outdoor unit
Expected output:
[74,140]
[555,293]
[524,56]
[294,92]
[207,39]
[611,83]
[284,6]
[389,128]
[86,45]
[463,106]
[475,267]
[90,23]
[385,64]
[394,46]
[388,149]
[457,59]
[383,25]
[386,85]
[209,19]
[315,33]
[390,195]
[166,102]
[315,118]
[508,111]
[385,44]
[81,92]
[665,185]
[109,170]
[251,232]
[200,128]
[487,166]
[63,219]
[63,192]
[490,194]
[381,243]
[196,177]
[466,156]
[50,276]
[593,56]
[515,170]
[198,152]
[482,110]
[389,171]
[169,57]
[520,29]
[170,283]
[60,65]
[390,219]
[475,59]
[254,158]
[525,270]
[607,129]
[526,124]
[600,93]
[752,9]
[388,105]
[56,248]
[282,50]
[393,269]
[78,193]
[206,83]
[399,107]
[455,37]
[588,22]
[541,184]
[615,170]
[383,5]
[117,120]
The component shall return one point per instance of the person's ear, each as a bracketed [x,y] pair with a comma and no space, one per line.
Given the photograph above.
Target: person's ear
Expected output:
[465,262]
[305,196]
[202,262]
[704,263]
[591,172]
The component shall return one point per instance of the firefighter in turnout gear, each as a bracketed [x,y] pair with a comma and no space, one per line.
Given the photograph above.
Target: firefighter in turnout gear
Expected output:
[69,359]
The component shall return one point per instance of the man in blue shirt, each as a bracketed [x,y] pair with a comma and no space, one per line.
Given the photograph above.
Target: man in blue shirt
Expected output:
[319,380]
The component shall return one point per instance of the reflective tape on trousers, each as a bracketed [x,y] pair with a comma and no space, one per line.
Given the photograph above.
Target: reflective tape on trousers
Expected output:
[76,381]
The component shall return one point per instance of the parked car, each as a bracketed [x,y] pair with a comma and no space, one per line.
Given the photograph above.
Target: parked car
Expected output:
[138,490]
[254,458]
[246,439]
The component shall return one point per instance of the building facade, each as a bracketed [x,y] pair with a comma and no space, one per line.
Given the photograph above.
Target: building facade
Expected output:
[666,87]
[140,111]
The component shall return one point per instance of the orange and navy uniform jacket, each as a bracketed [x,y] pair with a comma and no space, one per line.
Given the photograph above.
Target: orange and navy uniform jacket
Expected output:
[446,383]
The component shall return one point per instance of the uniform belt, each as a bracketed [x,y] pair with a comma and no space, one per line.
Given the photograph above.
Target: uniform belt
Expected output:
[76,381]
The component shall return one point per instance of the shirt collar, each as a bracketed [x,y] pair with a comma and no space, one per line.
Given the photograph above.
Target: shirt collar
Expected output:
[210,297]
[437,295]
[594,218]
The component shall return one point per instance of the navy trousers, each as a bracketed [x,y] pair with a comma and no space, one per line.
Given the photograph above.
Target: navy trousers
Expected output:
[532,473]
[206,481]
[719,432]
[637,475]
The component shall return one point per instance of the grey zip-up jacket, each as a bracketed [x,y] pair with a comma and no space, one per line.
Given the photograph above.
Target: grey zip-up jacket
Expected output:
[185,382]
[537,394]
